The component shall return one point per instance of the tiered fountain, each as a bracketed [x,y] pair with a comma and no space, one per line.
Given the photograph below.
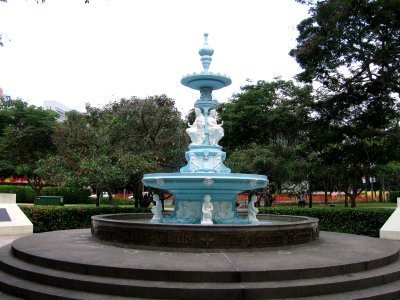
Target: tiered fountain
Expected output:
[205,192]
[205,176]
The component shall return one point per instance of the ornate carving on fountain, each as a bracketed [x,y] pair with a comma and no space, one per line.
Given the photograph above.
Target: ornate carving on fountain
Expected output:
[223,210]
[196,131]
[215,130]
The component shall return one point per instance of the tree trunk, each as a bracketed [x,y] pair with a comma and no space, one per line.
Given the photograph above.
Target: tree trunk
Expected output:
[353,197]
[111,198]
[36,185]
[381,188]
[137,191]
[98,193]
[325,191]
[310,192]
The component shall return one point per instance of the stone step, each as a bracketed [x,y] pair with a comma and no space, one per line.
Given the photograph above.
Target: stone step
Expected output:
[26,289]
[387,291]
[71,265]
[196,290]
[203,267]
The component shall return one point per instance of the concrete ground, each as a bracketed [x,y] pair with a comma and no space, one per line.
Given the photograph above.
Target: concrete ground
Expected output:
[8,239]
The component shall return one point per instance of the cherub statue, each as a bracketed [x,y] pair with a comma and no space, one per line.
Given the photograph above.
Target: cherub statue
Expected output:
[207,210]
[157,209]
[252,211]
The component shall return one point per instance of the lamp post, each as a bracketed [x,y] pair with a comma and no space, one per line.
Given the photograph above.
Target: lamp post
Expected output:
[373,180]
[364,180]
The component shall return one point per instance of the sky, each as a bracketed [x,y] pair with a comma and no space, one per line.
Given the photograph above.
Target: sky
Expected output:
[76,53]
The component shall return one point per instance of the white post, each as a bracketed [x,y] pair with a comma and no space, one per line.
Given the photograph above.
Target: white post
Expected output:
[18,223]
[391,229]
[8,198]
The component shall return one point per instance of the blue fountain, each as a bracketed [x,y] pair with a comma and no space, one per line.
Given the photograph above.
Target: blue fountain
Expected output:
[205,193]
[205,179]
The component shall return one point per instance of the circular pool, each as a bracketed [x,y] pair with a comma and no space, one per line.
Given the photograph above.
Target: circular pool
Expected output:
[136,230]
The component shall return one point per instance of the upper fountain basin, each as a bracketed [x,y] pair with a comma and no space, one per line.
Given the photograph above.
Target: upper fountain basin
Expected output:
[198,81]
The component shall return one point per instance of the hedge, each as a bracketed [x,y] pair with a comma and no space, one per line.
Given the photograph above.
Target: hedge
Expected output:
[25,194]
[117,201]
[50,218]
[362,221]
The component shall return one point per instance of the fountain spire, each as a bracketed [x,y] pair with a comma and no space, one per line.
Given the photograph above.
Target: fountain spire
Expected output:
[206,82]
[206,53]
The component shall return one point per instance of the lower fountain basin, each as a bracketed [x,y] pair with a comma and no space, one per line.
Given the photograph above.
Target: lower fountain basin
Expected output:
[194,186]
[190,189]
[133,230]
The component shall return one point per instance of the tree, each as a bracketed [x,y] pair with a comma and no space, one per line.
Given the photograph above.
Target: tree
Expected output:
[112,147]
[25,137]
[351,50]
[266,112]
[344,43]
[284,165]
[150,127]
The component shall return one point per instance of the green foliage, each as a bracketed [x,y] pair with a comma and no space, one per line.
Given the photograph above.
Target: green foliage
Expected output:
[117,201]
[393,195]
[361,36]
[282,164]
[112,147]
[51,218]
[362,221]
[25,194]
[25,138]
[352,50]
[266,112]
[71,195]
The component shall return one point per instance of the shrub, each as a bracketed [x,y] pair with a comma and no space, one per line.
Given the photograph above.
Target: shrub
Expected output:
[363,221]
[117,201]
[70,195]
[50,218]
[25,194]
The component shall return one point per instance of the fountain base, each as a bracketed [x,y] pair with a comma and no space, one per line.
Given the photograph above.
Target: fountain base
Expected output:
[137,230]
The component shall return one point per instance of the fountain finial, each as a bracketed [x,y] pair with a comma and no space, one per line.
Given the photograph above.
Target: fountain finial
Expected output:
[206,52]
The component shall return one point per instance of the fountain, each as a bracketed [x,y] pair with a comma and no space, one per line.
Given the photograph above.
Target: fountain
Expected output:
[205,192]
[205,176]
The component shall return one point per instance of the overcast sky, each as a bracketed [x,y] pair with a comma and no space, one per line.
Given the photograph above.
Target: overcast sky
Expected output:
[76,53]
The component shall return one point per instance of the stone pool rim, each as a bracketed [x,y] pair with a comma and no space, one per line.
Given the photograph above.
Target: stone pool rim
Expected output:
[133,230]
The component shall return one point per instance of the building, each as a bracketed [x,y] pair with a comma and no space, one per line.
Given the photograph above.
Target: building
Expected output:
[57,107]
